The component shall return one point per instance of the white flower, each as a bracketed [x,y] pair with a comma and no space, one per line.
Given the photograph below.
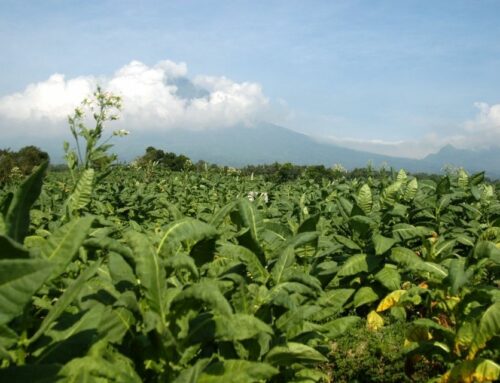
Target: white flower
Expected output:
[253,195]
[121,133]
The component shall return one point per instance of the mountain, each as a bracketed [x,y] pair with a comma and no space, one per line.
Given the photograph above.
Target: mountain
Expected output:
[264,143]
[268,143]
[472,160]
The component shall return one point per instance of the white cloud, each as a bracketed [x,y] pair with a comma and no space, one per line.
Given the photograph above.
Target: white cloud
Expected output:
[151,100]
[410,149]
[52,99]
[483,131]
[487,120]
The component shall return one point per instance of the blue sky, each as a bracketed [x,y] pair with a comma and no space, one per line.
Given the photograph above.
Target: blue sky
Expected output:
[363,73]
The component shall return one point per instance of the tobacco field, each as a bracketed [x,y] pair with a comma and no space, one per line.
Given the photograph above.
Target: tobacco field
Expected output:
[148,275]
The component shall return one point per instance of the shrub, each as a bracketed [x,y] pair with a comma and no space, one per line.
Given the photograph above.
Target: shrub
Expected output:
[362,355]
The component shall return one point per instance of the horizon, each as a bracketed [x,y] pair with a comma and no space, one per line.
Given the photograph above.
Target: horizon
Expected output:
[402,80]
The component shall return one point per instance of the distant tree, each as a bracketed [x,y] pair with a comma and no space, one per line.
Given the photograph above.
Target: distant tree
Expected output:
[21,162]
[288,172]
[318,172]
[29,157]
[168,160]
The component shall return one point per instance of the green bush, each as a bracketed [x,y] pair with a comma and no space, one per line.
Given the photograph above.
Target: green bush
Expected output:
[362,355]
[14,165]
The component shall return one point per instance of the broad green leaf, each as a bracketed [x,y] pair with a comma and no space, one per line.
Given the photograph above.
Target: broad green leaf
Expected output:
[254,267]
[296,275]
[465,335]
[310,375]
[404,231]
[389,277]
[489,327]
[293,353]
[81,196]
[356,264]
[457,275]
[443,248]
[285,260]
[333,302]
[473,371]
[463,179]
[17,217]
[412,261]
[19,280]
[365,200]
[149,271]
[192,373]
[347,242]
[309,224]
[101,366]
[362,225]
[401,176]
[221,214]
[71,339]
[364,296]
[411,190]
[434,268]
[382,244]
[206,292]
[298,240]
[247,216]
[63,244]
[337,327]
[180,262]
[345,207]
[65,300]
[389,194]
[111,245]
[120,271]
[233,370]
[114,324]
[430,324]
[186,230]
[477,178]
[443,186]
[239,327]
[295,317]
[8,338]
[487,249]
[407,258]
[336,298]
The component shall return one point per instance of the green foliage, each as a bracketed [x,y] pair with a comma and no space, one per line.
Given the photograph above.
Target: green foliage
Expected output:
[178,276]
[361,355]
[168,160]
[103,107]
[15,165]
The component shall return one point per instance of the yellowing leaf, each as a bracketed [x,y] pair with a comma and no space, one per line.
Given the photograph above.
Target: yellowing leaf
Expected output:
[469,371]
[374,321]
[390,300]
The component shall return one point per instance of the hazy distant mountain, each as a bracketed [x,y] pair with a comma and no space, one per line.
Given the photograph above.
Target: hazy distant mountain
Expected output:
[265,143]
[472,160]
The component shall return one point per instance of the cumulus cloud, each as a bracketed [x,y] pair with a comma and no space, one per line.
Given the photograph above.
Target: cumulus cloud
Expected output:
[487,120]
[152,99]
[52,99]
